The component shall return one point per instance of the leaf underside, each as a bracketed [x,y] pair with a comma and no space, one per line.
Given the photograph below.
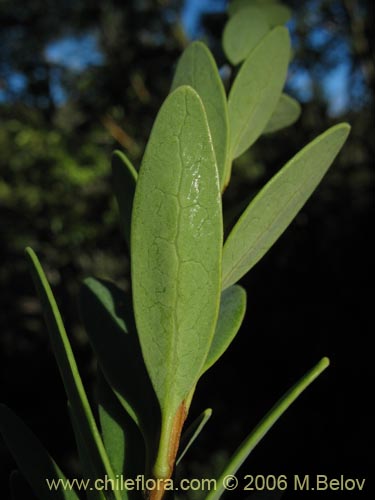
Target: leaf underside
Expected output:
[197,68]
[276,205]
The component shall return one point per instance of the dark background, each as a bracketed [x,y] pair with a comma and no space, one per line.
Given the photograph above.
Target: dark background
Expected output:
[78,79]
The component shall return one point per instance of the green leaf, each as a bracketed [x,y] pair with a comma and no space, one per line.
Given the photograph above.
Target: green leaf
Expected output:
[257,89]
[197,68]
[247,446]
[192,432]
[31,457]
[243,32]
[124,181]
[122,439]
[286,113]
[277,14]
[86,463]
[232,312]
[278,202]
[106,314]
[69,372]
[176,253]
[236,5]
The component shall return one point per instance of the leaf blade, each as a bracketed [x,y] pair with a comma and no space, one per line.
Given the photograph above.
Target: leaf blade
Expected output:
[69,370]
[257,89]
[278,202]
[197,68]
[250,442]
[243,32]
[124,177]
[286,113]
[192,432]
[111,330]
[176,254]
[231,314]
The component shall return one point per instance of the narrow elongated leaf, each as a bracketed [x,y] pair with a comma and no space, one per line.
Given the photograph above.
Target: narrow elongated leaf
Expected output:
[111,330]
[69,372]
[277,14]
[32,458]
[243,32]
[192,432]
[232,312]
[257,89]
[122,439]
[176,253]
[276,205]
[124,181]
[247,446]
[86,463]
[286,113]
[197,68]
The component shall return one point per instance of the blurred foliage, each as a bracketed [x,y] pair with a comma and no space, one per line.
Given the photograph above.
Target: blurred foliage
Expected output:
[59,121]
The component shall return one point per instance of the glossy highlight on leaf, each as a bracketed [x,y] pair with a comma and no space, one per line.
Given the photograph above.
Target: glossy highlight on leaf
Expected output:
[243,32]
[197,68]
[176,246]
[232,312]
[124,181]
[286,113]
[257,89]
[31,457]
[276,205]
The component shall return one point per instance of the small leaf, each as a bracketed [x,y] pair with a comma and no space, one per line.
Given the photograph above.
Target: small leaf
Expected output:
[69,372]
[247,446]
[124,181]
[277,14]
[121,436]
[110,327]
[32,458]
[286,113]
[276,205]
[243,32]
[176,254]
[197,68]
[192,432]
[232,312]
[257,89]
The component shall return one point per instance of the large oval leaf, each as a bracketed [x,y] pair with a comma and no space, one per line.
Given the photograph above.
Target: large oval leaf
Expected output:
[277,14]
[232,312]
[257,89]
[286,113]
[276,205]
[176,244]
[243,32]
[197,68]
